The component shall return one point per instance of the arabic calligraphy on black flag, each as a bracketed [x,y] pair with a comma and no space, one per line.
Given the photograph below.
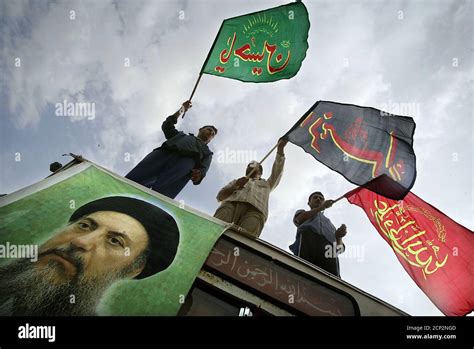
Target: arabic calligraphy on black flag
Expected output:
[360,143]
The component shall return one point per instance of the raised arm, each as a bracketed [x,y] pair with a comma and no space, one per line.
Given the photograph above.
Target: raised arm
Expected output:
[278,164]
[168,125]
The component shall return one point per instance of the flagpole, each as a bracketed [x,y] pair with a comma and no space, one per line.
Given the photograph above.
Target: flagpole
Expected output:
[204,64]
[260,163]
[339,198]
[195,86]
[194,90]
[347,194]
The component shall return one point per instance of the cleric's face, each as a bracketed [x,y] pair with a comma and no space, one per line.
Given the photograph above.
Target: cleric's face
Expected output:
[98,245]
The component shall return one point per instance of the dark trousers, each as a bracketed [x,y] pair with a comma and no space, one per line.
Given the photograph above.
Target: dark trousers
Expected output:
[313,249]
[164,171]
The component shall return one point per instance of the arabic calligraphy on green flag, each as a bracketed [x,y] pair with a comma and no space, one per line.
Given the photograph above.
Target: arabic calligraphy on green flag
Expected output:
[263,46]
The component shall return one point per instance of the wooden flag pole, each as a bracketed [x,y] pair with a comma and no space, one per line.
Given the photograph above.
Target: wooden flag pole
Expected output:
[205,62]
[194,90]
[339,198]
[266,156]
[346,194]
[195,86]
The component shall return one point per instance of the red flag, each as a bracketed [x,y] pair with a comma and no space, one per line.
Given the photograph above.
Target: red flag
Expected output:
[435,251]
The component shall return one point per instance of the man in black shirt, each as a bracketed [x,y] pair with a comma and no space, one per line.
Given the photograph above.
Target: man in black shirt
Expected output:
[317,239]
[182,157]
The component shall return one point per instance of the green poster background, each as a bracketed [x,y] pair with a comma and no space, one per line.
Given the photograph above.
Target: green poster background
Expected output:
[37,217]
[284,29]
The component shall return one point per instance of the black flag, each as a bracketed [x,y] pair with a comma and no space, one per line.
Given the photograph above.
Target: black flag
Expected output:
[360,143]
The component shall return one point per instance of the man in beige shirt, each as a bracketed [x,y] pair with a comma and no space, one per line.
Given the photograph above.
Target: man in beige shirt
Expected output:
[244,201]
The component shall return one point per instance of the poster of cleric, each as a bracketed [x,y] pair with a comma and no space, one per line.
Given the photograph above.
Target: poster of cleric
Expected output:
[86,242]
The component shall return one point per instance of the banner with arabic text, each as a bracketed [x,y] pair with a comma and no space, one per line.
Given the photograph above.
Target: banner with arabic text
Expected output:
[435,251]
[360,143]
[263,46]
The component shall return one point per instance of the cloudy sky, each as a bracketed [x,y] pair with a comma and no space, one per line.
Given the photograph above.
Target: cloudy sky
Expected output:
[137,61]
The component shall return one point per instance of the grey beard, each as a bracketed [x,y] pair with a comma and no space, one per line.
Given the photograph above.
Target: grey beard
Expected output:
[32,292]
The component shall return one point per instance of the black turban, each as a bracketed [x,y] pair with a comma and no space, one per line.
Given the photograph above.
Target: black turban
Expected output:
[162,230]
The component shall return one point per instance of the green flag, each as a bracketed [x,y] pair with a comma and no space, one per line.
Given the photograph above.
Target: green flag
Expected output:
[263,46]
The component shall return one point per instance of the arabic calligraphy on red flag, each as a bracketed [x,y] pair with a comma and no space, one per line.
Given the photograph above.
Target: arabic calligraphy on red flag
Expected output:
[263,46]
[435,251]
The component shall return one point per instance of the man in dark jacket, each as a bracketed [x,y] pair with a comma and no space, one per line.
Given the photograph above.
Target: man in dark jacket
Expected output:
[181,157]
[317,240]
